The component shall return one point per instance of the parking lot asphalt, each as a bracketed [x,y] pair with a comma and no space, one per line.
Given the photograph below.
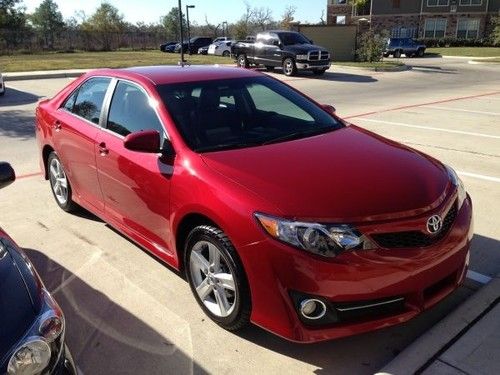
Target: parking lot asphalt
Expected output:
[128,313]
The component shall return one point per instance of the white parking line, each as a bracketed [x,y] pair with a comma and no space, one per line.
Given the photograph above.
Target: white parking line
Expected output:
[478,277]
[463,110]
[480,176]
[432,128]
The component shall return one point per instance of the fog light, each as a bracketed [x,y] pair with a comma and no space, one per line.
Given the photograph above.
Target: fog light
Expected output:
[31,358]
[312,309]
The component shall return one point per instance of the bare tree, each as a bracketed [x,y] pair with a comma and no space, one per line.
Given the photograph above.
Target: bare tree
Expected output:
[287,19]
[322,18]
[262,17]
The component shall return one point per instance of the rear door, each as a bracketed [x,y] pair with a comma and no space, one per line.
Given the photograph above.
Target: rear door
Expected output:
[135,185]
[75,127]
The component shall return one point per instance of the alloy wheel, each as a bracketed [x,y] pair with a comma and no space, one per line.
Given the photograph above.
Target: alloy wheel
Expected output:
[58,181]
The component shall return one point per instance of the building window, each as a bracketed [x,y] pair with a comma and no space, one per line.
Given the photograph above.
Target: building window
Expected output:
[438,3]
[435,28]
[396,3]
[339,2]
[340,20]
[403,32]
[468,28]
[471,2]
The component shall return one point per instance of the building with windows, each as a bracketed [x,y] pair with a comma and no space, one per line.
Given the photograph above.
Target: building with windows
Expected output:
[430,19]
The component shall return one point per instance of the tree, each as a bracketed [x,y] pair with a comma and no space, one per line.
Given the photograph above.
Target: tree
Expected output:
[287,18]
[371,46]
[12,21]
[48,20]
[262,18]
[105,22]
[242,27]
[171,24]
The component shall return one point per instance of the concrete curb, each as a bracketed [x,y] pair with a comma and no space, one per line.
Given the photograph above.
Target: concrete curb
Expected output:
[427,346]
[22,76]
[470,57]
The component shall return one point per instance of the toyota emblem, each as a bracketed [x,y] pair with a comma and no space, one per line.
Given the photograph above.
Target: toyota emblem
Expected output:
[434,224]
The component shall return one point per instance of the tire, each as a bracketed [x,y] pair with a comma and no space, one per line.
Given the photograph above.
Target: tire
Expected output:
[409,54]
[227,305]
[242,61]
[319,72]
[420,52]
[57,177]
[397,54]
[269,68]
[386,55]
[226,54]
[289,67]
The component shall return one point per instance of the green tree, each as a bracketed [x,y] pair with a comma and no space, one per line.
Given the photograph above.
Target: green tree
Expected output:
[105,24]
[171,24]
[12,22]
[371,46]
[48,20]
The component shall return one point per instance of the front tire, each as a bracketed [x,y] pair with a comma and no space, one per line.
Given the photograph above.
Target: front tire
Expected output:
[397,54]
[59,184]
[420,52]
[242,61]
[217,278]
[289,67]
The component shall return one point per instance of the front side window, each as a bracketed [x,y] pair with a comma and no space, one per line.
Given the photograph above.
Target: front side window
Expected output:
[467,28]
[435,27]
[131,111]
[244,112]
[89,99]
[290,39]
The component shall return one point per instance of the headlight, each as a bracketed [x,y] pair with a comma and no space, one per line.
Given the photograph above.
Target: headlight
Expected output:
[320,239]
[30,359]
[457,182]
[302,57]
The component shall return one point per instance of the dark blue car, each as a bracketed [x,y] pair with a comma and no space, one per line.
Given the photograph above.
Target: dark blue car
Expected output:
[32,324]
[407,46]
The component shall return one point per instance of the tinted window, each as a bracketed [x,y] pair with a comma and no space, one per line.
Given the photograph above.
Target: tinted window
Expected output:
[70,102]
[89,99]
[237,113]
[131,111]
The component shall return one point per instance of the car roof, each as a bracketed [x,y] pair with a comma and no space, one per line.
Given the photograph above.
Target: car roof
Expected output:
[164,74]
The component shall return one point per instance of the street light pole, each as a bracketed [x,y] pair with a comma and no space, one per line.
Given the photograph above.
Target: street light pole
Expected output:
[182,34]
[188,30]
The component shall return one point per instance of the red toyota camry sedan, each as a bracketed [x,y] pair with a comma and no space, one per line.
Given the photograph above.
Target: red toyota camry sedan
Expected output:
[277,211]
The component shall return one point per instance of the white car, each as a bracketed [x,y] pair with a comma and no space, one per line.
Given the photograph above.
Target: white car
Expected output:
[220,48]
[222,39]
[2,86]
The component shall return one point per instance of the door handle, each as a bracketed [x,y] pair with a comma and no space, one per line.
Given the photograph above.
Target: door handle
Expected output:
[103,149]
[57,125]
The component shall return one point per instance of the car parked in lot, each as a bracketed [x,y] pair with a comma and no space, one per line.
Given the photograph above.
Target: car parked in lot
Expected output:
[168,46]
[407,46]
[220,48]
[287,49]
[277,210]
[2,85]
[32,324]
[203,50]
[194,44]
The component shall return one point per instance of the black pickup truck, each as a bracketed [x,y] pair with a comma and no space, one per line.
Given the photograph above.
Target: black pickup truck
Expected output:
[288,49]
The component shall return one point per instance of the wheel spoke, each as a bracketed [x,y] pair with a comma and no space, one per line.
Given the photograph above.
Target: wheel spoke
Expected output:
[53,171]
[220,297]
[226,280]
[199,261]
[204,289]
[214,257]
[63,182]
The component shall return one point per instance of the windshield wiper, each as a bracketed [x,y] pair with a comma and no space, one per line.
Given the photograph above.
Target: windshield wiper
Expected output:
[227,146]
[299,134]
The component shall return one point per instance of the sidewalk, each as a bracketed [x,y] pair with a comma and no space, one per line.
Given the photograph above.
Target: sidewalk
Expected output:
[43,74]
[465,342]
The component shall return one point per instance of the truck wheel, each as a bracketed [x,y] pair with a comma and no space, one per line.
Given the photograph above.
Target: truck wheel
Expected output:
[397,54]
[420,52]
[409,54]
[269,68]
[226,54]
[289,67]
[319,72]
[243,61]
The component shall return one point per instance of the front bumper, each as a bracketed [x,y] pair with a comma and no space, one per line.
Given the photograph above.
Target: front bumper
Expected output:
[313,65]
[421,276]
[65,365]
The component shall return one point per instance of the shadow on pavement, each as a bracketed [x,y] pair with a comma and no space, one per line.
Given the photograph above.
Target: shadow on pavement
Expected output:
[15,97]
[103,337]
[16,124]
[327,76]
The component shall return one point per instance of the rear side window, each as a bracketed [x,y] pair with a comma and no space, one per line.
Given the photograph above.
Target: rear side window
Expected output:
[89,99]
[131,111]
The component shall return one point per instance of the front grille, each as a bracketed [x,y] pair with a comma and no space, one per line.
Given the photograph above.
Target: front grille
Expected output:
[416,238]
[318,56]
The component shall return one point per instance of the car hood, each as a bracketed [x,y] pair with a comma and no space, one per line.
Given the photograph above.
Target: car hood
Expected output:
[348,175]
[304,48]
[16,304]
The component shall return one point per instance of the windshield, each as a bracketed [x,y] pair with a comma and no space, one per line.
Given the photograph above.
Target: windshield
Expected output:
[289,39]
[243,112]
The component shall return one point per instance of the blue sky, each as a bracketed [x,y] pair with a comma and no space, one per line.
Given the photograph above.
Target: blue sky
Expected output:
[216,10]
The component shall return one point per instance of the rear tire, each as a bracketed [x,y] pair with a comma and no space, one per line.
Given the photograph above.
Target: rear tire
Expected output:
[226,54]
[420,52]
[289,67]
[59,184]
[242,61]
[217,278]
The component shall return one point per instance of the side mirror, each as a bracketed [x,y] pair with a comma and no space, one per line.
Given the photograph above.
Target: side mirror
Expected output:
[311,41]
[7,175]
[143,141]
[329,108]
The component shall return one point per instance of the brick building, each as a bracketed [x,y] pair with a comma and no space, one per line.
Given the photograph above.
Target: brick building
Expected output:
[431,19]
